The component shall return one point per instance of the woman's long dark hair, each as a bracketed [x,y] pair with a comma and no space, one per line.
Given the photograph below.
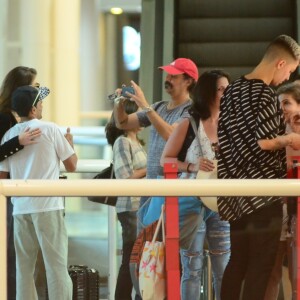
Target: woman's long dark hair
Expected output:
[111,130]
[204,93]
[15,78]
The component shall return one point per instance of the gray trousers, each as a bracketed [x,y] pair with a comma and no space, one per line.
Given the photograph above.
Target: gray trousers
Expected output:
[45,231]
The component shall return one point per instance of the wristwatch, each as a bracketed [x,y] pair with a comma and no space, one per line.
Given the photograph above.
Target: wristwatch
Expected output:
[147,108]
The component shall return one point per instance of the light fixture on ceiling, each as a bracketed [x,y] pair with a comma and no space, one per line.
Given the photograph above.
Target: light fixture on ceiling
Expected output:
[116,10]
[128,6]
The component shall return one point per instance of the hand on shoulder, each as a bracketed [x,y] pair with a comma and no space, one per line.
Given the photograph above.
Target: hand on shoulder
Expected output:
[28,136]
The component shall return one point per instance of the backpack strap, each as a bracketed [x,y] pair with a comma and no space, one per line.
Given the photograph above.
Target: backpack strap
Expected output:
[186,108]
[158,105]
[195,129]
[190,136]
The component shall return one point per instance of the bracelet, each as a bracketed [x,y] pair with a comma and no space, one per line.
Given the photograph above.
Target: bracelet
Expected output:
[147,108]
[187,168]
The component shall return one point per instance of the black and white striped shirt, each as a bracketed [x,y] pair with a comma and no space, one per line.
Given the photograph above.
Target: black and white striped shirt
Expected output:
[249,111]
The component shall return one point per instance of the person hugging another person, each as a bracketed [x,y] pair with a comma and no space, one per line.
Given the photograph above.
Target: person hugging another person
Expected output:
[18,76]
[129,160]
[199,155]
[38,221]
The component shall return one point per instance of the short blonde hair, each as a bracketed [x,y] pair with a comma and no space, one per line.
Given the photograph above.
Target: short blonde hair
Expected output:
[281,45]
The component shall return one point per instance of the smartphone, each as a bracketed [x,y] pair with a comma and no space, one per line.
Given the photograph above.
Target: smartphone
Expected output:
[128,89]
[112,97]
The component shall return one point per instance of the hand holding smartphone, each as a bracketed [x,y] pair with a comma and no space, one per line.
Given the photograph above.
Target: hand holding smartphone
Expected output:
[126,89]
[114,96]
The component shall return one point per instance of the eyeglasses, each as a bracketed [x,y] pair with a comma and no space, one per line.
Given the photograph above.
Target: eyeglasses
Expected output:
[36,98]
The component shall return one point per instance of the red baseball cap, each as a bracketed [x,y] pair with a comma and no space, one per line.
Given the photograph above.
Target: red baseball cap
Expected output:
[180,66]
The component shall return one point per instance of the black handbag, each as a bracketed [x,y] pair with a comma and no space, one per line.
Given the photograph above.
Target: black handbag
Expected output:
[107,173]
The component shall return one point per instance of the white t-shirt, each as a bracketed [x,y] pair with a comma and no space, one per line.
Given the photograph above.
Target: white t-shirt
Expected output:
[37,161]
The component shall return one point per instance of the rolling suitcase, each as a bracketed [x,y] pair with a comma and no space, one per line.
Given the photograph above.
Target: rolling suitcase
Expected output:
[85,283]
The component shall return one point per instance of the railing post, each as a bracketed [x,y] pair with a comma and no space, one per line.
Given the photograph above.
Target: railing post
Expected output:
[3,247]
[298,234]
[172,236]
[292,173]
[112,252]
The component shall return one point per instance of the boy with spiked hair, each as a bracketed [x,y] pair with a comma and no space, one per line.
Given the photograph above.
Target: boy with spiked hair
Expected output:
[252,139]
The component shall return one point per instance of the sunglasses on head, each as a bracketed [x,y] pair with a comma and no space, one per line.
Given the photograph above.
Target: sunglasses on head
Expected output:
[37,97]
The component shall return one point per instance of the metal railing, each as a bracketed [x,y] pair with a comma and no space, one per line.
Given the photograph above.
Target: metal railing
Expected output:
[86,187]
[88,166]
[150,187]
[88,135]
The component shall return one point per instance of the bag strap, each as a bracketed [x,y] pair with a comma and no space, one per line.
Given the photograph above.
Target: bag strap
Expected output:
[111,177]
[112,164]
[194,126]
[160,103]
[163,223]
[160,220]
[189,137]
[112,171]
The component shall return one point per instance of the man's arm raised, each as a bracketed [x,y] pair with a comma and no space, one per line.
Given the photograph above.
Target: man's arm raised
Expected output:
[71,162]
[162,127]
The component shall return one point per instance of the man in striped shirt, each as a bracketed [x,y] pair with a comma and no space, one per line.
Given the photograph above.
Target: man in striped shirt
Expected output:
[252,140]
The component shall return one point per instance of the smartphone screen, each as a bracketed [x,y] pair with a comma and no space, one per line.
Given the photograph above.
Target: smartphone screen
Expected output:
[128,89]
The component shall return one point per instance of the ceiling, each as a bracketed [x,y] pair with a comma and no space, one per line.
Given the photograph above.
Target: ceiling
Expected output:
[126,5]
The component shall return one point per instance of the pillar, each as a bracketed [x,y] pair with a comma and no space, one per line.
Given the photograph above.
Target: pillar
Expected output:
[66,62]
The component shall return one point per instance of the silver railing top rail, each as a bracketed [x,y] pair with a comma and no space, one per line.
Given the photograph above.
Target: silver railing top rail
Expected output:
[87,135]
[151,187]
[88,165]
[174,187]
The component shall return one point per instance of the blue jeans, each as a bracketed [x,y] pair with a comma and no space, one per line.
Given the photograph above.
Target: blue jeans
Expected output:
[217,234]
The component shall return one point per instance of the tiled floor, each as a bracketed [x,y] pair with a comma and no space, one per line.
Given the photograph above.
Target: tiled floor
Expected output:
[88,243]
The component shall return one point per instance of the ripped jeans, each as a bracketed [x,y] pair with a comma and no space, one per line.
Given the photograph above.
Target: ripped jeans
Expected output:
[217,234]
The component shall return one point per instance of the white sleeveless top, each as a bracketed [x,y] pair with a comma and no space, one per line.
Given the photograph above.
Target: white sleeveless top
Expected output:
[193,153]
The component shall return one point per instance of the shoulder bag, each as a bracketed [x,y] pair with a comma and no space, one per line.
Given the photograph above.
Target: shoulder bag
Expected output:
[209,202]
[107,173]
[152,266]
